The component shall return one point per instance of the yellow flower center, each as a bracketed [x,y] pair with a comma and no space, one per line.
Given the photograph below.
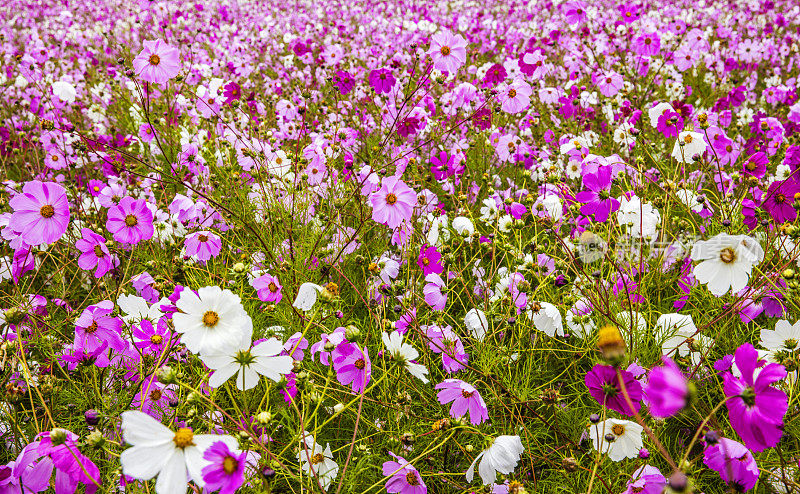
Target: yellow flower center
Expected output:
[512,93]
[210,318]
[727,255]
[156,339]
[154,59]
[391,199]
[359,364]
[618,429]
[47,211]
[445,50]
[230,464]
[412,479]
[98,251]
[183,437]
[317,458]
[131,220]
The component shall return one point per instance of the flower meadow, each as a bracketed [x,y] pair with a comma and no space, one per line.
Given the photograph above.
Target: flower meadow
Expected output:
[399,246]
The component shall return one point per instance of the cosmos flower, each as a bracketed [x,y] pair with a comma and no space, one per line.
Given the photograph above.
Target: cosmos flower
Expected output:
[604,385]
[248,364]
[403,477]
[619,439]
[41,212]
[268,288]
[95,254]
[597,199]
[202,245]
[501,456]
[156,451]
[157,62]
[212,320]
[734,463]
[130,221]
[225,469]
[666,390]
[393,203]
[435,293]
[352,366]
[448,51]
[464,398]
[726,262]
[405,354]
[316,461]
[756,409]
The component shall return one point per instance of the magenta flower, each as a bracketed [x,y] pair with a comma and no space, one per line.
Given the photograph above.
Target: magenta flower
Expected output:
[666,390]
[648,44]
[72,467]
[96,327]
[352,366]
[157,62]
[393,203]
[202,245]
[448,51]
[403,477]
[575,12]
[429,260]
[779,200]
[225,471]
[344,81]
[434,290]
[605,387]
[151,339]
[268,288]
[496,74]
[598,200]
[41,212]
[465,399]
[482,118]
[295,345]
[26,471]
[447,343]
[381,80]
[130,221]
[755,408]
[733,462]
[94,253]
[408,126]
[646,480]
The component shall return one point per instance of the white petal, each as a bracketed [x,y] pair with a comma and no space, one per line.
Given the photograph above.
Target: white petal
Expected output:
[140,429]
[173,478]
[144,462]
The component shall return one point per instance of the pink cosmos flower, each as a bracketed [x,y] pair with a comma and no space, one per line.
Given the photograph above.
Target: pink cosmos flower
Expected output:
[202,245]
[666,390]
[515,97]
[94,253]
[465,399]
[149,338]
[268,288]
[381,80]
[96,328]
[352,366]
[393,203]
[225,469]
[448,51]
[648,44]
[403,477]
[157,62]
[41,212]
[446,342]
[435,295]
[130,221]
[609,83]
[575,12]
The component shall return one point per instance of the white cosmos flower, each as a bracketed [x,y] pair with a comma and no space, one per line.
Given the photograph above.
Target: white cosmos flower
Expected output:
[264,359]
[173,456]
[463,226]
[689,145]
[626,441]
[316,461]
[784,338]
[306,296]
[726,262]
[279,164]
[546,318]
[405,353]
[476,322]
[677,334]
[502,456]
[552,204]
[212,321]
[64,91]
[642,217]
